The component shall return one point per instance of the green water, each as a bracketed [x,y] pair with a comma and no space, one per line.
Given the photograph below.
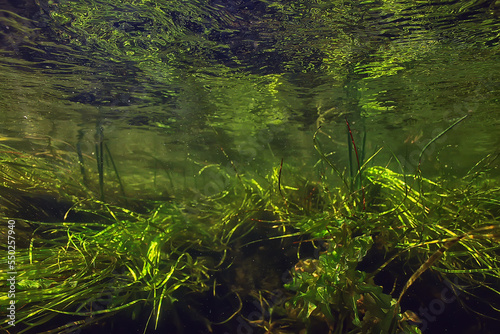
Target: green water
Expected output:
[176,81]
[174,87]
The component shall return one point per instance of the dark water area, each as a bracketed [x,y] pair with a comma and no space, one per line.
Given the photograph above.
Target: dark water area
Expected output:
[155,101]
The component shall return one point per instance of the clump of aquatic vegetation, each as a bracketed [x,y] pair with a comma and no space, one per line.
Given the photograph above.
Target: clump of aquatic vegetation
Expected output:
[84,258]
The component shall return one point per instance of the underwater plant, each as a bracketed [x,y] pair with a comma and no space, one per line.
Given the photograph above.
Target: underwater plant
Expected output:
[452,231]
[83,261]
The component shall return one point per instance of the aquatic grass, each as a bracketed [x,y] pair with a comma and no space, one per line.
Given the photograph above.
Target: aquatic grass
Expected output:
[452,229]
[43,174]
[445,229]
[67,261]
[59,278]
[116,259]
